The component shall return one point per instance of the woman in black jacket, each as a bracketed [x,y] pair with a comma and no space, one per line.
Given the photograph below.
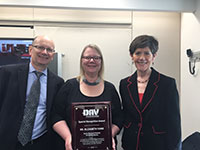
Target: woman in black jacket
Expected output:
[150,102]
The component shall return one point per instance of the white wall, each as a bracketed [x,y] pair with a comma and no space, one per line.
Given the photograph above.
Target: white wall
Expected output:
[190,85]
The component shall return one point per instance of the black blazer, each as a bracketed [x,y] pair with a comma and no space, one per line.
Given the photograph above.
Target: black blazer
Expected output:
[154,125]
[13,84]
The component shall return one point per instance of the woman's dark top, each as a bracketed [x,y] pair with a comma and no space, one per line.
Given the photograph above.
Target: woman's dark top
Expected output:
[70,93]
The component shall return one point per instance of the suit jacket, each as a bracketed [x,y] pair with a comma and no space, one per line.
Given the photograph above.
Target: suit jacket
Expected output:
[13,84]
[154,124]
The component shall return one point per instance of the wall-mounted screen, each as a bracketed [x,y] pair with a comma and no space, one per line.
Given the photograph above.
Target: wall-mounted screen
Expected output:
[14,50]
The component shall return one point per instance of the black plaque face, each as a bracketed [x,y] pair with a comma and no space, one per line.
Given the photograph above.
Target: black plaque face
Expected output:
[91,126]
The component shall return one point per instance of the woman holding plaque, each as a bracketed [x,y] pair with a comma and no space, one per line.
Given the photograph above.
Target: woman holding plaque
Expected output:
[89,86]
[150,102]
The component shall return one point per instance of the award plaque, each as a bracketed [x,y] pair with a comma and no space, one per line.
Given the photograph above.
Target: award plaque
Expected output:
[91,126]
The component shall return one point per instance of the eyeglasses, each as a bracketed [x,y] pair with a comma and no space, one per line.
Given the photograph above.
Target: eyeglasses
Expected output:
[95,58]
[41,48]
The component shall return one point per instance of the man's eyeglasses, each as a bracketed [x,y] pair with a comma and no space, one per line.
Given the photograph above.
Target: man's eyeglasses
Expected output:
[95,58]
[41,48]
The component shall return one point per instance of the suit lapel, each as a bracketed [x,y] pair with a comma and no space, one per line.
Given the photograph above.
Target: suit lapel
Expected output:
[133,91]
[50,92]
[151,90]
[22,82]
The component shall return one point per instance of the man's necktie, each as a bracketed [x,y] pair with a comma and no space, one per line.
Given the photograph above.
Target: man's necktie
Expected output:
[25,132]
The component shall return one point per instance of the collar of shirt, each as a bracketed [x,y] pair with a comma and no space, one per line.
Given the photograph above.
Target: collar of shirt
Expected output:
[32,69]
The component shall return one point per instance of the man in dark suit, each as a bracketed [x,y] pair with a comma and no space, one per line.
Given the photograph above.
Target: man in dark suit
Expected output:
[15,85]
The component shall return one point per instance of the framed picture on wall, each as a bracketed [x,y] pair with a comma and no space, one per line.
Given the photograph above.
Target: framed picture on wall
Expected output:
[14,50]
